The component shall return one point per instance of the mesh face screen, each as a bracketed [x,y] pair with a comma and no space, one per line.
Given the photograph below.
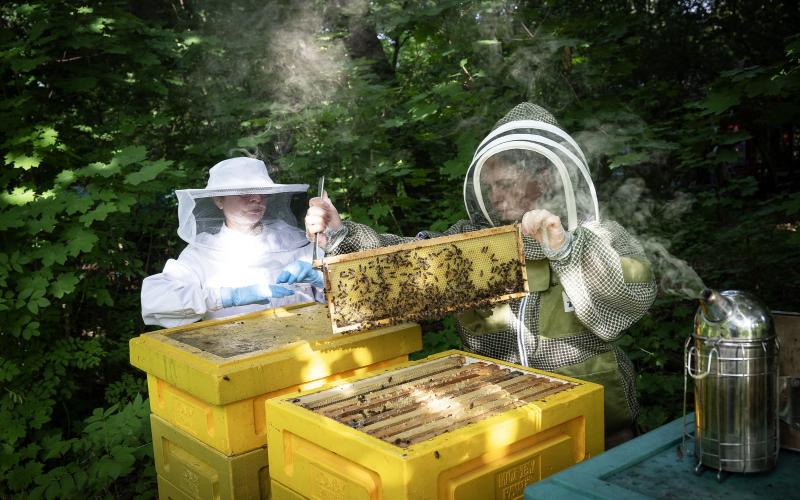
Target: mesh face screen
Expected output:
[413,404]
[425,279]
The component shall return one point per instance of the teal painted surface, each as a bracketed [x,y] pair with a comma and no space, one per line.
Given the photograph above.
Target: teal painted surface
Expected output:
[651,466]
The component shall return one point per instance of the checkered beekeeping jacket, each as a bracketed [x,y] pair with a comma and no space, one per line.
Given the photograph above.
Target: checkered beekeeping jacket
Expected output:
[605,303]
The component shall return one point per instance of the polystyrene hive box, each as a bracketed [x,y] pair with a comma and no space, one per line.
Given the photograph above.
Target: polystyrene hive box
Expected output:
[211,378]
[187,468]
[454,425]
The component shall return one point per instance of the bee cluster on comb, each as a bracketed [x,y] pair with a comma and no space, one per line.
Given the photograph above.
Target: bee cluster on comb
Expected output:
[426,279]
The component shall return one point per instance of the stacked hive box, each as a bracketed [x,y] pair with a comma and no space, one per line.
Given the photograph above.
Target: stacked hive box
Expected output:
[208,382]
[452,426]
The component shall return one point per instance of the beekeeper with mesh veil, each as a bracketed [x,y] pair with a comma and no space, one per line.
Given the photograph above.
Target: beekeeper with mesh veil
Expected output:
[242,241]
[589,279]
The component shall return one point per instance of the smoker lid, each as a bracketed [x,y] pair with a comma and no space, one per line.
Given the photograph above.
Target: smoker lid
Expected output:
[733,315]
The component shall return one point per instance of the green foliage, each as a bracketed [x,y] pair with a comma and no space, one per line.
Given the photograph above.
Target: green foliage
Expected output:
[108,107]
[438,336]
[94,98]
[113,444]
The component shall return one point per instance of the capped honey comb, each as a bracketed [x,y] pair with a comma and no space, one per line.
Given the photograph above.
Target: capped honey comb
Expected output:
[424,279]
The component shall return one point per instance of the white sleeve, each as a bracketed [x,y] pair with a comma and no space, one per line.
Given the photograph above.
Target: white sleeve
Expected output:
[176,296]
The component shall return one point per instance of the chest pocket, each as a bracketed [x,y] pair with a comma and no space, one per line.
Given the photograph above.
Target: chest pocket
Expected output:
[485,321]
[557,318]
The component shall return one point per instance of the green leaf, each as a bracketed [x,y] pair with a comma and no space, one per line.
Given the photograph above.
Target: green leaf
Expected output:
[735,137]
[379,210]
[23,161]
[32,286]
[65,177]
[628,159]
[22,477]
[18,196]
[46,137]
[149,172]
[422,111]
[99,213]
[130,155]
[109,468]
[63,285]
[393,123]
[102,297]
[124,456]
[54,446]
[76,203]
[79,240]
[101,169]
[27,63]
[720,101]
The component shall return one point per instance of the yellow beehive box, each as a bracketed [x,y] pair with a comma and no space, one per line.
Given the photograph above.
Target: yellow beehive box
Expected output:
[187,468]
[452,426]
[211,378]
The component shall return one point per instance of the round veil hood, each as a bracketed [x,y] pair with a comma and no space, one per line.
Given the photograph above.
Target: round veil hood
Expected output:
[199,219]
[528,162]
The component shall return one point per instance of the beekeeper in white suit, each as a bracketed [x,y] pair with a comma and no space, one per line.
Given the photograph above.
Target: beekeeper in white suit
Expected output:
[242,241]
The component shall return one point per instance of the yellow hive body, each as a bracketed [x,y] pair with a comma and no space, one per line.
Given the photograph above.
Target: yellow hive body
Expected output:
[424,279]
[188,469]
[210,379]
[465,438]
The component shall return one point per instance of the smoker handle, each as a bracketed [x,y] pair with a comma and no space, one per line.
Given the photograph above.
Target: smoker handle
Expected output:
[697,375]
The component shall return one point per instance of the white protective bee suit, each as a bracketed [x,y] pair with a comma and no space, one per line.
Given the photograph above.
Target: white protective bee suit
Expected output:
[217,258]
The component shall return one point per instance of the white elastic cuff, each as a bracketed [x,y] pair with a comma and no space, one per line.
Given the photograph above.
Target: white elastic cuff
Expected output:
[561,252]
[213,299]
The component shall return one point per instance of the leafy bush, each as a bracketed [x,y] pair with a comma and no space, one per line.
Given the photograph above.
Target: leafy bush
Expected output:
[112,457]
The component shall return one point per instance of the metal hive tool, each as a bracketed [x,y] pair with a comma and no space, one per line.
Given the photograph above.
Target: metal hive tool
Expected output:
[414,404]
[425,279]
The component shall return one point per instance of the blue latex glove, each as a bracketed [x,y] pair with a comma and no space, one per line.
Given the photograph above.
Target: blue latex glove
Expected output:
[253,294]
[301,271]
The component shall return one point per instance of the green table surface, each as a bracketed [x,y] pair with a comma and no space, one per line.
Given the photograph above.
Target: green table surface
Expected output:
[651,466]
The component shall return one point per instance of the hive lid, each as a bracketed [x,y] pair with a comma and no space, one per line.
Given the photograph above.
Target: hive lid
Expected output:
[732,315]
[238,357]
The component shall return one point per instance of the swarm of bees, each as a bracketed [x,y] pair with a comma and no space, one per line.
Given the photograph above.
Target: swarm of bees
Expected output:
[422,283]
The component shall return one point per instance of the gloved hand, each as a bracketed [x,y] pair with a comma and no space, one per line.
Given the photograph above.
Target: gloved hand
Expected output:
[301,271]
[545,227]
[253,294]
[320,217]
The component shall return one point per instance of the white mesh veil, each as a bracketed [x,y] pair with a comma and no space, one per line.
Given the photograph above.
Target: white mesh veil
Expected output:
[547,166]
[198,216]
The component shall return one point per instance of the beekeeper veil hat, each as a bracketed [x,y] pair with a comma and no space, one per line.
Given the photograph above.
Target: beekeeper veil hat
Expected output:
[528,162]
[199,217]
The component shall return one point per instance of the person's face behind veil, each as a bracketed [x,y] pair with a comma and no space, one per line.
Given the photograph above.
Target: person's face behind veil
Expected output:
[242,212]
[512,189]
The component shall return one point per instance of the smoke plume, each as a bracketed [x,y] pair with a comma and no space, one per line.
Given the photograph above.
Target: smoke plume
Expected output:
[631,204]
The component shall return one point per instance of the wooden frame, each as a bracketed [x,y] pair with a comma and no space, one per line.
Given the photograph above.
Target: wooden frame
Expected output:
[327,264]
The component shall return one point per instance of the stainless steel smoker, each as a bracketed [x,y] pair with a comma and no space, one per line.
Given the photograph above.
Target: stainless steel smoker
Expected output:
[732,356]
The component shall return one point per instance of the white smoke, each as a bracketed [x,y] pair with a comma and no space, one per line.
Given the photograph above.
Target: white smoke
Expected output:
[304,68]
[632,205]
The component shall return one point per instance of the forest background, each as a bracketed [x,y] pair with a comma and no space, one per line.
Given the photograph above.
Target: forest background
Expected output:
[689,112]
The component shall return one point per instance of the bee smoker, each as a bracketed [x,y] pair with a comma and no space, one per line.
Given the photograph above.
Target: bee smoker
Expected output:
[732,356]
